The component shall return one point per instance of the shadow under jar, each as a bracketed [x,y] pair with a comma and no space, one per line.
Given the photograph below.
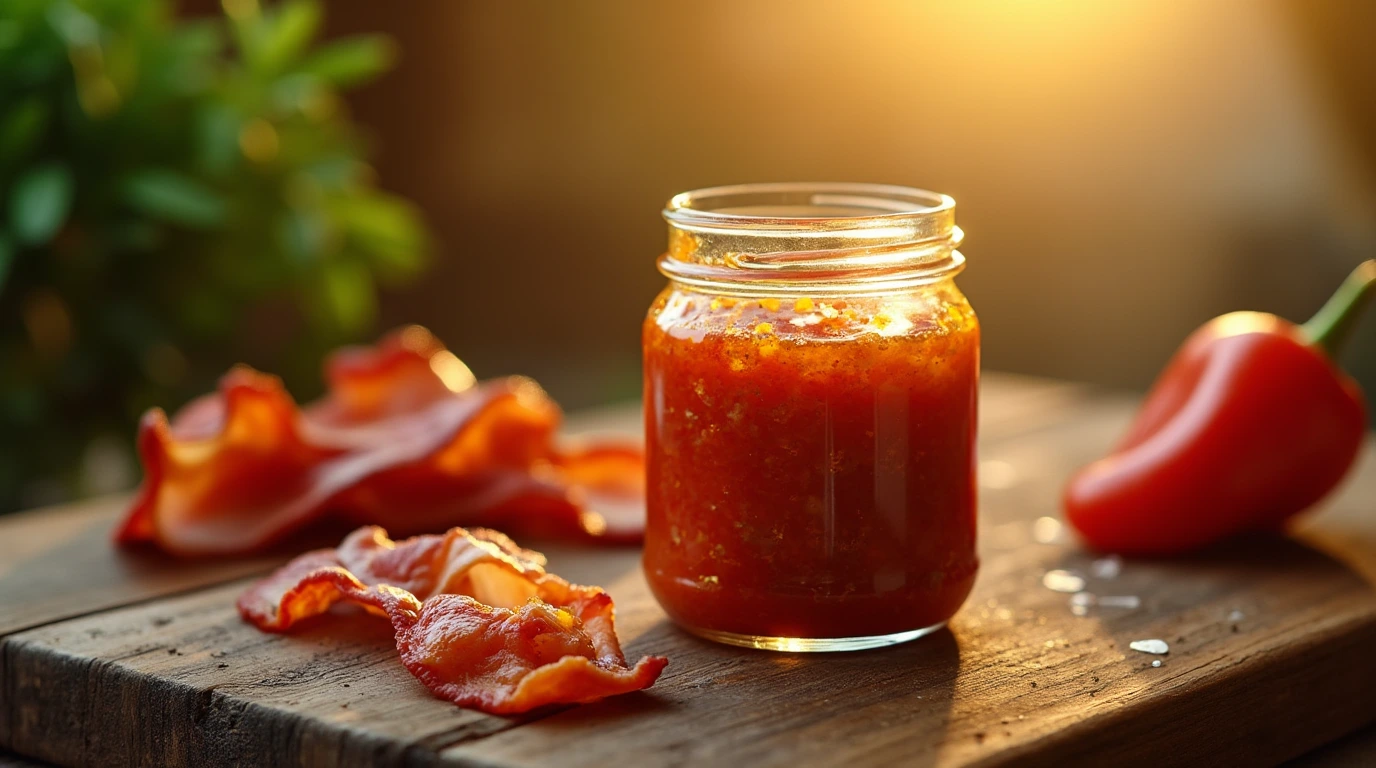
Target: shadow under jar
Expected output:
[811,377]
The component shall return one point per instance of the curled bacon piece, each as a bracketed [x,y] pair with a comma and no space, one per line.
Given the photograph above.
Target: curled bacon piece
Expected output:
[404,437]
[477,619]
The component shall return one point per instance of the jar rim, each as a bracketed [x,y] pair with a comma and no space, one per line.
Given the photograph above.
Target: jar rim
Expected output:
[811,237]
[885,203]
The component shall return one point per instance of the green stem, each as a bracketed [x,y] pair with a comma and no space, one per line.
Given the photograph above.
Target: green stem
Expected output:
[1330,326]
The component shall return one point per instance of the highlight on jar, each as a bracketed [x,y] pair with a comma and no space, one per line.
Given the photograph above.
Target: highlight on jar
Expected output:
[811,374]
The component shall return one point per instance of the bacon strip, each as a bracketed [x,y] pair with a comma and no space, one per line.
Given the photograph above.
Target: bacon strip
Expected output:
[404,437]
[477,619]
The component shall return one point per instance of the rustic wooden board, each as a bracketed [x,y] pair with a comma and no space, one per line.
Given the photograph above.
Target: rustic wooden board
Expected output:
[1017,678]
[59,563]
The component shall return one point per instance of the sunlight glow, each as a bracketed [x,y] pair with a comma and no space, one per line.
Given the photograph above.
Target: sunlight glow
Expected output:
[456,376]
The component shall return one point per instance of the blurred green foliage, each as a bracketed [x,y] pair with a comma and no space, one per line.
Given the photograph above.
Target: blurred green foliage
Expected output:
[175,196]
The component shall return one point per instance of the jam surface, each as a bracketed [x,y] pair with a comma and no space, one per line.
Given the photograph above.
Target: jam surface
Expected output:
[811,462]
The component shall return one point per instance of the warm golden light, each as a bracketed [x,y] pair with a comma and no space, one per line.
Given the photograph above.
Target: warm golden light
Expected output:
[456,376]
[594,523]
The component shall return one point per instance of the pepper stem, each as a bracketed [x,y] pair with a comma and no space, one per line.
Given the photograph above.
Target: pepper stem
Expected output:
[1330,326]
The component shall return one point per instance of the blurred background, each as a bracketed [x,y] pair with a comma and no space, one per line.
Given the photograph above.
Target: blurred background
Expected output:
[187,186]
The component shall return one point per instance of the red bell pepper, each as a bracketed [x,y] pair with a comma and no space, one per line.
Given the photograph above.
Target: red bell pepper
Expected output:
[1251,423]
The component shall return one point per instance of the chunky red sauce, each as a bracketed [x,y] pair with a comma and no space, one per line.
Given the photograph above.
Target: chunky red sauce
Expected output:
[811,463]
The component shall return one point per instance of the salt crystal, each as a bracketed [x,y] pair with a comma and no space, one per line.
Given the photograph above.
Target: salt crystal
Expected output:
[1047,530]
[1106,568]
[1157,647]
[1236,615]
[1081,602]
[1156,663]
[1063,581]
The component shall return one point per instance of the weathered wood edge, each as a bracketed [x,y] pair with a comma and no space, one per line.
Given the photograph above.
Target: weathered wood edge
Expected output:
[1323,662]
[162,708]
[120,715]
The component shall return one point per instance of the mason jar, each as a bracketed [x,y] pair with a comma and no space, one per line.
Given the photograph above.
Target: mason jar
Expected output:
[811,377]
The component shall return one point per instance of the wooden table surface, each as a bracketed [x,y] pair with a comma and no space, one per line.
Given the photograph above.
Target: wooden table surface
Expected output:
[109,658]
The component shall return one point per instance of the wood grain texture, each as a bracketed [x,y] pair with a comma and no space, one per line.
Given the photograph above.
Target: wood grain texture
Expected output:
[1016,679]
[58,563]
[207,687]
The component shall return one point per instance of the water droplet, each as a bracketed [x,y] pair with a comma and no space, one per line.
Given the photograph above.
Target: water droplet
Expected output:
[1236,615]
[1130,602]
[1157,647]
[1156,663]
[1063,581]
[1106,568]
[1048,530]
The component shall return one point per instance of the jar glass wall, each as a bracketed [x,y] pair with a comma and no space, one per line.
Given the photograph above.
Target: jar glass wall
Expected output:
[811,377]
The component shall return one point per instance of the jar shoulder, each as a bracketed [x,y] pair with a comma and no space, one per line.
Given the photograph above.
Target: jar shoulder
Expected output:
[938,310]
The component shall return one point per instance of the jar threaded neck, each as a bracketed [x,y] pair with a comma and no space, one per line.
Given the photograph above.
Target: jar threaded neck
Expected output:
[811,238]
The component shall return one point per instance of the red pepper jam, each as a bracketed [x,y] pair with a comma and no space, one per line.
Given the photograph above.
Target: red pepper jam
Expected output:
[811,463]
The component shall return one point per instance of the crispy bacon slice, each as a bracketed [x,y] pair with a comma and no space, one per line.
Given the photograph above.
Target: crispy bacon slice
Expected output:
[481,563]
[507,661]
[477,619]
[403,437]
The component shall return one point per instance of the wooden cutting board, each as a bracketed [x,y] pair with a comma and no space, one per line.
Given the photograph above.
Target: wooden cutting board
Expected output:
[114,659]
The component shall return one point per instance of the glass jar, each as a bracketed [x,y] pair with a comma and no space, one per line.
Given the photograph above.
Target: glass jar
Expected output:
[811,376]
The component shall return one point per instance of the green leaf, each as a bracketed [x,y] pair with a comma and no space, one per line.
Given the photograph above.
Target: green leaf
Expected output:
[6,259]
[35,66]
[217,138]
[349,302]
[21,128]
[295,92]
[336,171]
[247,30]
[198,39]
[288,32]
[351,60]
[39,203]
[76,27]
[11,32]
[175,197]
[186,64]
[387,229]
[303,236]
